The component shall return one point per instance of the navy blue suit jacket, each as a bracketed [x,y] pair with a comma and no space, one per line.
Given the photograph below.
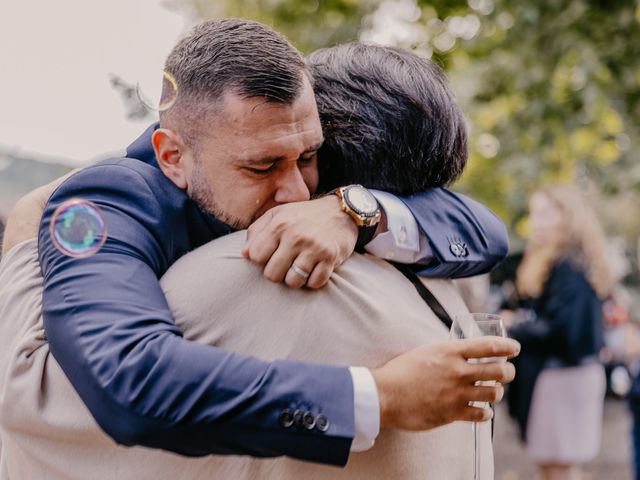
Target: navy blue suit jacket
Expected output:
[109,326]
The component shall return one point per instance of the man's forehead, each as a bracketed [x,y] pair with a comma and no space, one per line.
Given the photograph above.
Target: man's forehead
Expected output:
[240,112]
[254,128]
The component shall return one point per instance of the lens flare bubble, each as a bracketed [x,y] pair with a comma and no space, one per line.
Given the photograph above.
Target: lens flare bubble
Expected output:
[78,228]
[159,101]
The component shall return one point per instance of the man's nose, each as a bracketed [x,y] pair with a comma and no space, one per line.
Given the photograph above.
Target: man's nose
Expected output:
[292,187]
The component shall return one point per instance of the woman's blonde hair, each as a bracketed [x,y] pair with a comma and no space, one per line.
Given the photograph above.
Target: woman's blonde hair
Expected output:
[580,238]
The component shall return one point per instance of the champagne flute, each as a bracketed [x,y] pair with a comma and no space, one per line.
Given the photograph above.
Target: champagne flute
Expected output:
[474,325]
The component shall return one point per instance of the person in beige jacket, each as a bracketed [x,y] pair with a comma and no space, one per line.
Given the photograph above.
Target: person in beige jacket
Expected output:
[368,314]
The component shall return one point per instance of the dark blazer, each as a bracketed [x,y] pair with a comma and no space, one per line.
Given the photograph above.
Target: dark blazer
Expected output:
[567,327]
[109,326]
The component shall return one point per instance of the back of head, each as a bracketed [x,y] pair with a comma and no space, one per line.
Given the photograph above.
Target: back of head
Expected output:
[389,118]
[242,56]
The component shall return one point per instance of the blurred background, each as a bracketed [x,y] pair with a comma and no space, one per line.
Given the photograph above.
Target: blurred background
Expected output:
[551,91]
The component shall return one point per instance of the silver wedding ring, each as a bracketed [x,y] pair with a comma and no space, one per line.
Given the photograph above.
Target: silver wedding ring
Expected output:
[300,272]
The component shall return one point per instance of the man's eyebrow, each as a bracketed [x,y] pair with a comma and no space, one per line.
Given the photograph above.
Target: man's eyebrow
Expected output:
[277,158]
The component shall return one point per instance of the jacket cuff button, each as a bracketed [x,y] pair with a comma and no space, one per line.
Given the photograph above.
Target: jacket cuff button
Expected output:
[308,421]
[322,423]
[286,418]
[297,418]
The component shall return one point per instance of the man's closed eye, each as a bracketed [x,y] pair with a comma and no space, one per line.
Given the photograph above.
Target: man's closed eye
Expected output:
[261,171]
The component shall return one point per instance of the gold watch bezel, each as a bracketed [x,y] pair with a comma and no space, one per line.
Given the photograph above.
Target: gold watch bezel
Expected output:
[361,220]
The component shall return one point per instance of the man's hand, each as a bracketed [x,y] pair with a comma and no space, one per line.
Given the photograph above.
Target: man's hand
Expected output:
[297,239]
[24,219]
[433,385]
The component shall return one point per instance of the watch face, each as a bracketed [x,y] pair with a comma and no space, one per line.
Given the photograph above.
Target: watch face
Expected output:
[361,200]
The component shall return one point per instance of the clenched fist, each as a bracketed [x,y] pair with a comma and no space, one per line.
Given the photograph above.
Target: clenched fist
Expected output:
[302,243]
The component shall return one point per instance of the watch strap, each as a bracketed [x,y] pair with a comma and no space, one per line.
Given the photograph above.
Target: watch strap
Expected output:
[365,234]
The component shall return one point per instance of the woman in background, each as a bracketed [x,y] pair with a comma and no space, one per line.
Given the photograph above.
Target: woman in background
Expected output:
[558,396]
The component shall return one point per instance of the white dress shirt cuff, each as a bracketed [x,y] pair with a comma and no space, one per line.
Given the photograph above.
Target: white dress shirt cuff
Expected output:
[402,241]
[366,407]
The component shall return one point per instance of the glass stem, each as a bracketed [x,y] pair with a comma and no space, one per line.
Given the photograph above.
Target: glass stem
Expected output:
[476,452]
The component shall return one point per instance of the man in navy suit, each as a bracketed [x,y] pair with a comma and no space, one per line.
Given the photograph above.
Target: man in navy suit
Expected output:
[237,149]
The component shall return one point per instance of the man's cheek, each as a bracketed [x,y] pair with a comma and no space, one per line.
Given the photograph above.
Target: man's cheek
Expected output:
[254,204]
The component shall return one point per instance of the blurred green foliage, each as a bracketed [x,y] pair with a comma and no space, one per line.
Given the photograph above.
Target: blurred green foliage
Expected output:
[551,89]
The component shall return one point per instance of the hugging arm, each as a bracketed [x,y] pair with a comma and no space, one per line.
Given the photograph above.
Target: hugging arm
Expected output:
[443,234]
[465,238]
[109,327]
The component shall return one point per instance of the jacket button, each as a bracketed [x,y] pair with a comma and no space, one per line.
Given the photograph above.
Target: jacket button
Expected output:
[459,249]
[286,418]
[297,418]
[308,421]
[322,423]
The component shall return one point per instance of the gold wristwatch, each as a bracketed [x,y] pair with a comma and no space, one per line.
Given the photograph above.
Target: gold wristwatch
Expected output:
[360,204]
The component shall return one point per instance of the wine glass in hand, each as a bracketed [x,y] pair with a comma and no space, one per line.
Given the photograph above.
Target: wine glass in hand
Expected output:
[474,325]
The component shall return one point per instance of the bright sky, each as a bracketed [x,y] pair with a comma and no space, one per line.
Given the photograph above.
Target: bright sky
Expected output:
[55,60]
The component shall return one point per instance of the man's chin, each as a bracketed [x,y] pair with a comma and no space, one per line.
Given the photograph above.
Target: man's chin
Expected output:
[233,222]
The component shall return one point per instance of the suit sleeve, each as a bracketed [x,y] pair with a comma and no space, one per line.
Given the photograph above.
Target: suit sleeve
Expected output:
[109,327]
[466,238]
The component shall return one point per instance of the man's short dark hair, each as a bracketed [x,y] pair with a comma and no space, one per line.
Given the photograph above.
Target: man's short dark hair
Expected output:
[242,56]
[389,119]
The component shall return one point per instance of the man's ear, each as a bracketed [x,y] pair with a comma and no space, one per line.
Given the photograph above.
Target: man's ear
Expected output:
[170,152]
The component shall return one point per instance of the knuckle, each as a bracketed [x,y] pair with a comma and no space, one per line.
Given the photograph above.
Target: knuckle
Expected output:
[315,283]
[493,347]
[509,372]
[479,414]
[460,372]
[260,259]
[492,371]
[296,240]
[271,276]
[281,226]
[494,395]
[324,251]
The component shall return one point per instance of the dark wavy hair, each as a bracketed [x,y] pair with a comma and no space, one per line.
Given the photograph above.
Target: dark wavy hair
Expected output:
[390,120]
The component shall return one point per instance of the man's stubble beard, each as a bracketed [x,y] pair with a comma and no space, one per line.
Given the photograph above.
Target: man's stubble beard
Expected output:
[202,194]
